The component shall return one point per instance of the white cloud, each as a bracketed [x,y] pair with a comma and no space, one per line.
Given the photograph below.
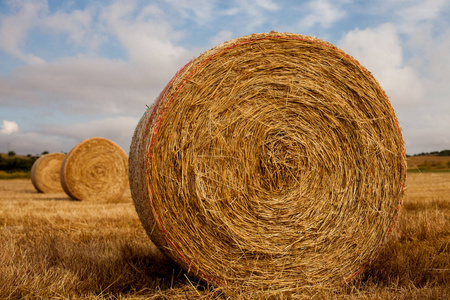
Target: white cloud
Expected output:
[380,50]
[9,127]
[200,11]
[439,60]
[143,31]
[428,124]
[119,130]
[85,86]
[90,85]
[421,102]
[266,4]
[61,138]
[35,143]
[409,15]
[77,25]
[426,130]
[415,12]
[323,13]
[252,13]
[14,29]
[148,41]
[110,93]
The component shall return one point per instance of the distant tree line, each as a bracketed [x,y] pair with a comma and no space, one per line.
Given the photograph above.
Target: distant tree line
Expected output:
[13,163]
[435,153]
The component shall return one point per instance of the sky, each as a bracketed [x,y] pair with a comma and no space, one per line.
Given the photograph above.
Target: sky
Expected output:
[75,69]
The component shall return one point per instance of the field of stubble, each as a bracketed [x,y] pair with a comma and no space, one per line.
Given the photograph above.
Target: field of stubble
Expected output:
[55,248]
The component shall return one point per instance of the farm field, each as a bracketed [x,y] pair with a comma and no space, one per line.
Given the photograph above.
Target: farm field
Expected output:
[54,248]
[428,163]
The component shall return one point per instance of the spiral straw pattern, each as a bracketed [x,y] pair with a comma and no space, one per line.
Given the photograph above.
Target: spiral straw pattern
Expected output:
[271,162]
[95,169]
[45,173]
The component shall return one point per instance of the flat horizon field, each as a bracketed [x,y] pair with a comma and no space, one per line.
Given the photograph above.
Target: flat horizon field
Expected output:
[56,248]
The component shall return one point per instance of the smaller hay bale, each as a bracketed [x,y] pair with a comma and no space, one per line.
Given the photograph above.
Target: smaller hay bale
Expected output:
[45,173]
[95,169]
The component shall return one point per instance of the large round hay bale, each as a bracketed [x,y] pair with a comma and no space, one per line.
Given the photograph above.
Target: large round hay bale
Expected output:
[95,169]
[45,173]
[270,162]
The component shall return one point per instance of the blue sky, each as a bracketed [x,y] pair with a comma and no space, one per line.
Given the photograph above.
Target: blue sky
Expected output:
[71,69]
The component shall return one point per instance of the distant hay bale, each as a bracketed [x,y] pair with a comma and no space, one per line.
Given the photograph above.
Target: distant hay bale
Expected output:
[271,162]
[45,173]
[95,169]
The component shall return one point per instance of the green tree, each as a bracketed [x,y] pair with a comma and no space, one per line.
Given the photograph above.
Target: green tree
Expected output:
[444,153]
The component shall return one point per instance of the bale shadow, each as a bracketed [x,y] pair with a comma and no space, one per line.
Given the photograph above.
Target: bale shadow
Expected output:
[49,198]
[114,268]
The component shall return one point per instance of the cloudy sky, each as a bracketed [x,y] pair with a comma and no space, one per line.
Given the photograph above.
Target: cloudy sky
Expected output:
[74,69]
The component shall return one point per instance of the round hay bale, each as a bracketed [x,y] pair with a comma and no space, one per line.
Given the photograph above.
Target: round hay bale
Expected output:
[95,169]
[271,162]
[45,173]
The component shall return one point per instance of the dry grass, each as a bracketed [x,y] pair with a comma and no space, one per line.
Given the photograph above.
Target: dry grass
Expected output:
[51,247]
[416,261]
[54,247]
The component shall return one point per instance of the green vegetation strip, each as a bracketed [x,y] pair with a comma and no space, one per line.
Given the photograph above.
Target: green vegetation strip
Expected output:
[426,170]
[15,175]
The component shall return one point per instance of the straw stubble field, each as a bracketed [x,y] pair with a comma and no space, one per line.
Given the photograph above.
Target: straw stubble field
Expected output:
[52,247]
